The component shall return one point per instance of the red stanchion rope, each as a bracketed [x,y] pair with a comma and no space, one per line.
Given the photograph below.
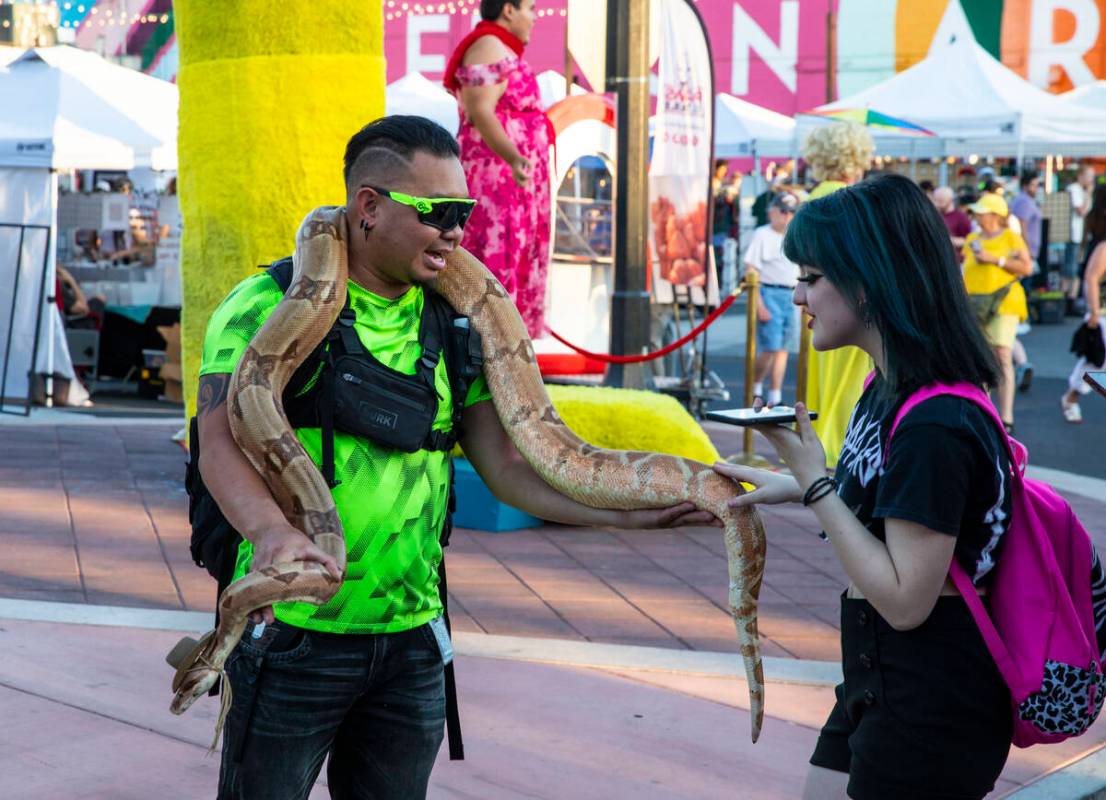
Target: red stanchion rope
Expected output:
[676,345]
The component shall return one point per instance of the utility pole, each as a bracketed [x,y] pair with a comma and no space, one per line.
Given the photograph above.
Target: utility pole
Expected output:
[628,78]
[803,365]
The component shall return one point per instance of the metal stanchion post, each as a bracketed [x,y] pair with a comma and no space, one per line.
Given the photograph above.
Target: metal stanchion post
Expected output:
[803,365]
[751,285]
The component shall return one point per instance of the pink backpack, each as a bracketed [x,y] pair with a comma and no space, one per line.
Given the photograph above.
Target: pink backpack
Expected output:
[1040,628]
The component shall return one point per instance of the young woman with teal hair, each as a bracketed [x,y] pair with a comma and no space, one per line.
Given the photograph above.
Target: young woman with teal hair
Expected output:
[922,711]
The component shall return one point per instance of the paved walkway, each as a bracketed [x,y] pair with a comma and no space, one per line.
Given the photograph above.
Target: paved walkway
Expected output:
[89,508]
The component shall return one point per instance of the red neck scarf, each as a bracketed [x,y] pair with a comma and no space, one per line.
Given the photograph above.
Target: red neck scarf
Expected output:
[485,28]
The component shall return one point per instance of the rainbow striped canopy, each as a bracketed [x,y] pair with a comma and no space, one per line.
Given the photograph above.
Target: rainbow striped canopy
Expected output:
[873,119]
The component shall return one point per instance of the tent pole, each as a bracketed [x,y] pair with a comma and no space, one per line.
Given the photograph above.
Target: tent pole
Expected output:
[568,62]
[51,286]
[756,171]
[1020,154]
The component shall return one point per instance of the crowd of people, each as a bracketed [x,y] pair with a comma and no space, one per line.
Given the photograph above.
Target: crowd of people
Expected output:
[996,230]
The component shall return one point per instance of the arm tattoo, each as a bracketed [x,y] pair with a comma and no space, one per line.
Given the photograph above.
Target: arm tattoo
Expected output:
[212,392]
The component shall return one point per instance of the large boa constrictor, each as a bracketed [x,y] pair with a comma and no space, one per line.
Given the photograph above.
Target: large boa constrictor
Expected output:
[592,476]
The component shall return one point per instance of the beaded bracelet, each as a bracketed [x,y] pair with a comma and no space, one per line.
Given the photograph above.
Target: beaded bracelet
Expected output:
[819,489]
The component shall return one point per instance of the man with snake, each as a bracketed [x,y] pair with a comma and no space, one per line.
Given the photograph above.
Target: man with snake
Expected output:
[360,678]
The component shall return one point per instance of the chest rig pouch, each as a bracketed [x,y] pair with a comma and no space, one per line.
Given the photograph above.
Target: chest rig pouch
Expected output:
[355,393]
[376,402]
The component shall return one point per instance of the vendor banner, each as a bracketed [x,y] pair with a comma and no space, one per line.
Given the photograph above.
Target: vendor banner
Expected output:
[679,171]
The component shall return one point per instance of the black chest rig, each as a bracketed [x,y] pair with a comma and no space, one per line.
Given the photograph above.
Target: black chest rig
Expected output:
[342,386]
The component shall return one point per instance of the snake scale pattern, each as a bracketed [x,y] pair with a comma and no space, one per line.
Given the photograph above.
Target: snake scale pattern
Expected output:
[590,475]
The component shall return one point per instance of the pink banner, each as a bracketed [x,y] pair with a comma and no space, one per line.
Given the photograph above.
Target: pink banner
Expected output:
[770,53]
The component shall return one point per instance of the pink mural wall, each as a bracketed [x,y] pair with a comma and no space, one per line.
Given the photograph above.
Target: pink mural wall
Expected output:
[776,59]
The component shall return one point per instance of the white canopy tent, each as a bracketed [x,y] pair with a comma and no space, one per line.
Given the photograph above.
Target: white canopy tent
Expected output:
[551,85]
[1091,95]
[742,129]
[973,104]
[415,94]
[62,108]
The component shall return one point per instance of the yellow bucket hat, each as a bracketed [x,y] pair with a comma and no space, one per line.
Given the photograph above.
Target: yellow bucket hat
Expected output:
[990,204]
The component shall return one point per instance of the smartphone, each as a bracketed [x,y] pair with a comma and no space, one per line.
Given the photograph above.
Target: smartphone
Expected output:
[1097,381]
[777,415]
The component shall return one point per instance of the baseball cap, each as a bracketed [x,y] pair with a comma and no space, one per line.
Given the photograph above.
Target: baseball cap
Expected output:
[786,202]
[990,204]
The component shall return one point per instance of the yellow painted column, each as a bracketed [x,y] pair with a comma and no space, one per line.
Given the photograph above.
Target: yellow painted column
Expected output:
[269,95]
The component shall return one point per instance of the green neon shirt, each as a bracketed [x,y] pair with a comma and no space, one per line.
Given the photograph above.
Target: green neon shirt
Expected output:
[391,504]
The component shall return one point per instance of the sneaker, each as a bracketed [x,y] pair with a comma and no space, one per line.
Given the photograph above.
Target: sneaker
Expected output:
[1072,412]
[1023,376]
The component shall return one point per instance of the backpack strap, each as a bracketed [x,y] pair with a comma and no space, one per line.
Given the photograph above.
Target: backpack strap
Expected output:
[1019,456]
[463,362]
[459,367]
[1004,660]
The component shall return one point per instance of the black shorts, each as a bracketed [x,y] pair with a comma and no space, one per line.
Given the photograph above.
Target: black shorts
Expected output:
[923,714]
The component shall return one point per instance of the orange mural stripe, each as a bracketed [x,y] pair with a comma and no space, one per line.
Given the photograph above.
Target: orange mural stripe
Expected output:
[1015,35]
[915,23]
[1096,59]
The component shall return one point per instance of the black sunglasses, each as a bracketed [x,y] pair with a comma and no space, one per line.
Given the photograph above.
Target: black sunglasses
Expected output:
[443,213]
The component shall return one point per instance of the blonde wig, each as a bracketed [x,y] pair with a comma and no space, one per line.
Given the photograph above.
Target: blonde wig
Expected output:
[841,151]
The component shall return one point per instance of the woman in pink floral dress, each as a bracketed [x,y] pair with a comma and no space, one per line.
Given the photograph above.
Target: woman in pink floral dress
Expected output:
[505,138]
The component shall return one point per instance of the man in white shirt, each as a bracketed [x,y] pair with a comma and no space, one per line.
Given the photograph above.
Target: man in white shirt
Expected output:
[777,316]
[1080,191]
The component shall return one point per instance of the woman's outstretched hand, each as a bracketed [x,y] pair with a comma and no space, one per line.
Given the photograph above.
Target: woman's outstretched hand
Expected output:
[801,450]
[769,487]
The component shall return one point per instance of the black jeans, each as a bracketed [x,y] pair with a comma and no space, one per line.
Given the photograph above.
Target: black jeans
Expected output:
[374,703]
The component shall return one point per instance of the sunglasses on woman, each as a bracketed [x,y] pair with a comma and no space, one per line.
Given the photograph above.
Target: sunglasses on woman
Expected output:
[443,213]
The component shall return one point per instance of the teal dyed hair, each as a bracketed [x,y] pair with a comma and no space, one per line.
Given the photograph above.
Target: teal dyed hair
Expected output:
[883,242]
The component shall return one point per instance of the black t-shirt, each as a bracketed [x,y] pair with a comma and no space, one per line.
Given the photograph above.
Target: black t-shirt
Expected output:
[947,469]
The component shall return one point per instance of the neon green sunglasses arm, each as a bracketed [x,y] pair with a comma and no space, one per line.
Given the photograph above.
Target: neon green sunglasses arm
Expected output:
[424,204]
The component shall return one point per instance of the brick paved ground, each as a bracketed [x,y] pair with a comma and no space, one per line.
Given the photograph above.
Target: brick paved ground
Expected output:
[85,506]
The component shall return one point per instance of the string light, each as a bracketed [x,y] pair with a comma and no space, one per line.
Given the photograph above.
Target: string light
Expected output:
[399,9]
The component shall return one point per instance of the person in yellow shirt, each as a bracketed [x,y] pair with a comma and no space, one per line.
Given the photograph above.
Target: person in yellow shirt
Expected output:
[995,259]
[838,154]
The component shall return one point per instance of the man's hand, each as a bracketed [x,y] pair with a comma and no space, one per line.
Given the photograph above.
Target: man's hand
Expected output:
[282,544]
[1092,320]
[675,516]
[763,314]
